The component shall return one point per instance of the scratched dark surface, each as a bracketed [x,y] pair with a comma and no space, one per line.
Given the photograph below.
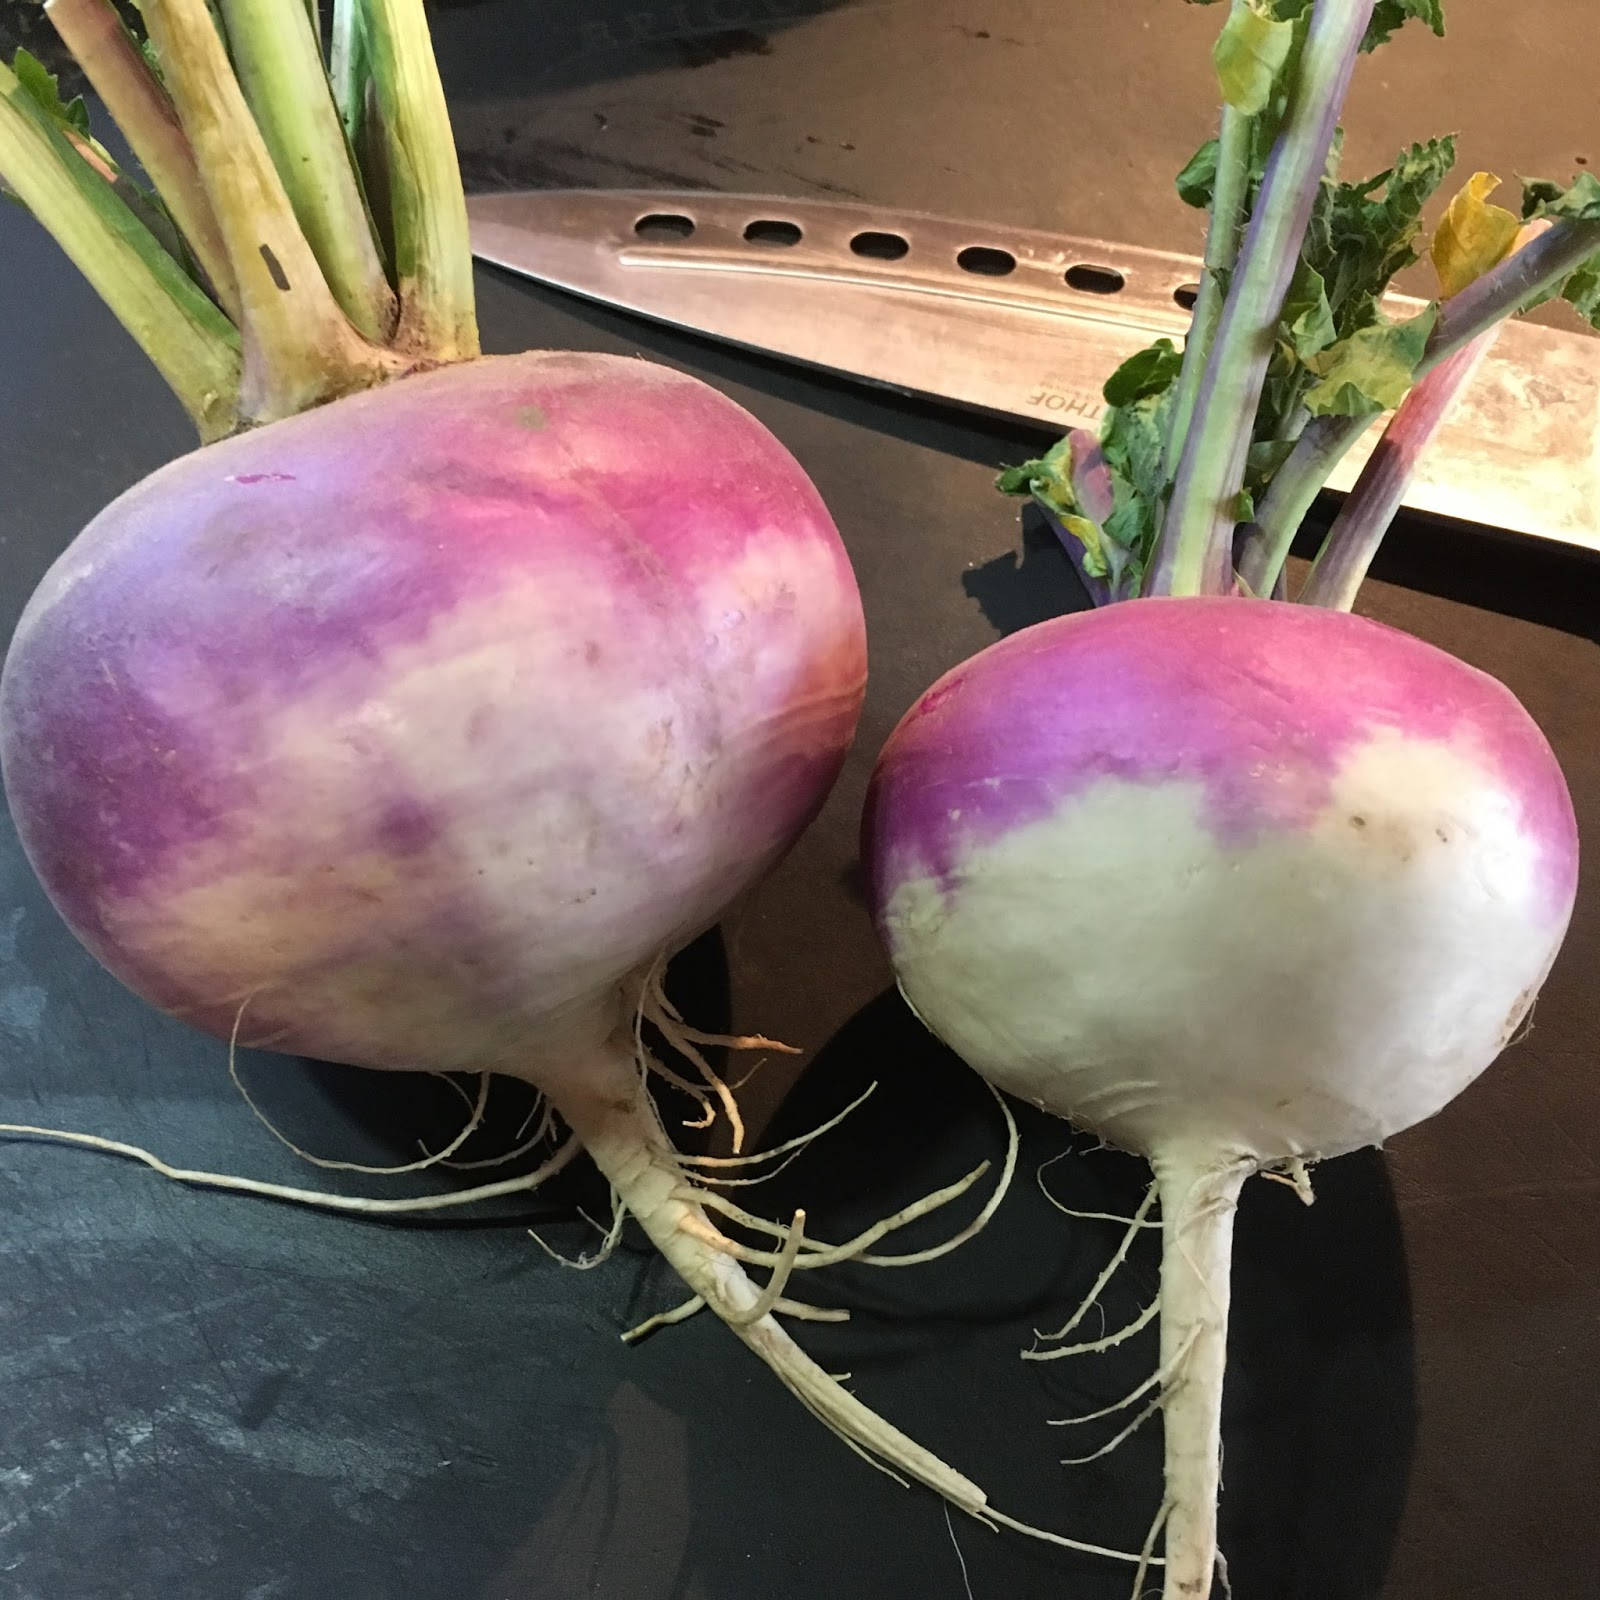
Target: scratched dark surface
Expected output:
[204,1396]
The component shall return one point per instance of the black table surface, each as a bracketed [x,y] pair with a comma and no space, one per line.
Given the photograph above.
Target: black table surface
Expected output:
[214,1396]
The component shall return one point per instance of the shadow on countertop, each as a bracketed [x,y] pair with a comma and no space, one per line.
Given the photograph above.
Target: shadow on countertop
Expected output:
[503,47]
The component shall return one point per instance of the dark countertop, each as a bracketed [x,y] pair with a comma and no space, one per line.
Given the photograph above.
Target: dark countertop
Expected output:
[211,1396]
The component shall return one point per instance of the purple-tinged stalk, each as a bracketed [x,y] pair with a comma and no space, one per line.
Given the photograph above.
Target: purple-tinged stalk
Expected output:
[1473,238]
[192,344]
[1081,533]
[1230,197]
[1221,251]
[1352,541]
[1535,270]
[143,111]
[1194,554]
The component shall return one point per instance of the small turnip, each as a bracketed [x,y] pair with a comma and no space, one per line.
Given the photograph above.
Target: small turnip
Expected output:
[1234,883]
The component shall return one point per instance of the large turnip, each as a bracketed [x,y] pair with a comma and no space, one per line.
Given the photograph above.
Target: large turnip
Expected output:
[419,717]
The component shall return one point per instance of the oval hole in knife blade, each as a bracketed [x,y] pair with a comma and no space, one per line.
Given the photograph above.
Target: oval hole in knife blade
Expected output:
[986,261]
[663,226]
[1095,280]
[1186,294]
[880,246]
[767,230]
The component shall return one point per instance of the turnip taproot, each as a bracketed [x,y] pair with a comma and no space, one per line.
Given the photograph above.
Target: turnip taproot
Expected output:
[415,721]
[1233,883]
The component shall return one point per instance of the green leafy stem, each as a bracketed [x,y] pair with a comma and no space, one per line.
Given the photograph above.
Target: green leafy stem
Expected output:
[271,261]
[1209,458]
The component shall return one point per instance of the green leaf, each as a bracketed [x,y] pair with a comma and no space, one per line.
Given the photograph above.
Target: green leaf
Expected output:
[1284,10]
[1580,203]
[1048,479]
[151,59]
[1582,292]
[1249,55]
[1389,16]
[1265,458]
[1130,439]
[1306,322]
[43,88]
[1133,440]
[1370,371]
[1266,124]
[1199,177]
[1472,236]
[1131,445]
[1087,534]
[1151,371]
[1362,234]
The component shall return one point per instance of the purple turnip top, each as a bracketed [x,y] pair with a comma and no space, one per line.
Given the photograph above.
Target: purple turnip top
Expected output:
[435,711]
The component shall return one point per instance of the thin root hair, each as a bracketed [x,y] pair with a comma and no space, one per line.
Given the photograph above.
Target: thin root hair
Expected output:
[966,1582]
[648,1063]
[665,1319]
[359,1204]
[609,1237]
[789,1146]
[540,1108]
[1142,1558]
[1008,1171]
[708,1112]
[1146,1558]
[678,1036]
[858,1248]
[655,1006]
[1294,1174]
[1118,1257]
[764,1302]
[1526,1026]
[723,1181]
[1109,1342]
[818,1254]
[733,1041]
[1085,1216]
[1117,1438]
[1162,1375]
[547,1121]
[474,1121]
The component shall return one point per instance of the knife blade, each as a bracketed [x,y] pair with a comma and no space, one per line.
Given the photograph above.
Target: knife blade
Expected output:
[1015,322]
